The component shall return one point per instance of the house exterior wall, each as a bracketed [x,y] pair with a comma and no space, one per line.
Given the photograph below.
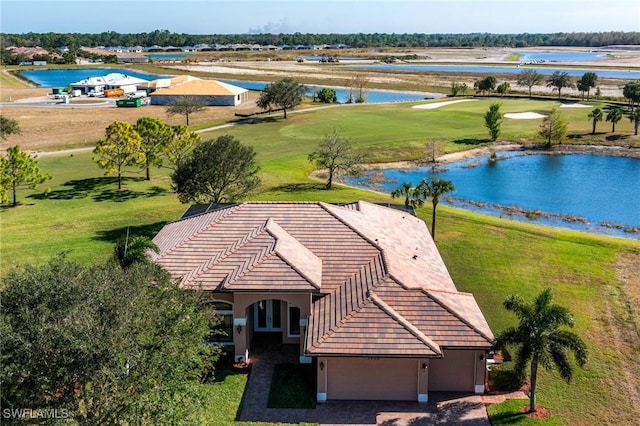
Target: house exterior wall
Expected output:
[230,100]
[458,370]
[372,378]
[242,309]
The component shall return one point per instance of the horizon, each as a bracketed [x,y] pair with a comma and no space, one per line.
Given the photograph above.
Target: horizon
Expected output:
[224,17]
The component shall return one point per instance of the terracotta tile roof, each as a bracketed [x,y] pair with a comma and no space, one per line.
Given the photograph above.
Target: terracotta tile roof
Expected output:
[386,290]
[197,86]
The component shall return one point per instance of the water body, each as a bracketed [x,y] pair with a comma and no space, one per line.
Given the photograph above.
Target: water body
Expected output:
[597,188]
[166,55]
[319,57]
[488,69]
[341,93]
[561,56]
[64,77]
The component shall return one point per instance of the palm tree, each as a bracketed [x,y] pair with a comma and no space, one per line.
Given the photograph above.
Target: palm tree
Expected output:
[559,80]
[133,249]
[595,115]
[412,195]
[434,189]
[614,115]
[541,340]
[634,117]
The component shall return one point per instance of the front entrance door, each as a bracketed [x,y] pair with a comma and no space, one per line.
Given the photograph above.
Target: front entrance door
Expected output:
[266,316]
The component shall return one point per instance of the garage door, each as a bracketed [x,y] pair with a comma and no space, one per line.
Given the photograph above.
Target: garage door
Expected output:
[372,378]
[454,372]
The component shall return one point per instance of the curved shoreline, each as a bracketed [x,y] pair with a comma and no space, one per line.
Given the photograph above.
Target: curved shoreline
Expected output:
[453,157]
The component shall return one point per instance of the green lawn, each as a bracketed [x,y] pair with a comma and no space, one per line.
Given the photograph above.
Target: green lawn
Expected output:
[81,211]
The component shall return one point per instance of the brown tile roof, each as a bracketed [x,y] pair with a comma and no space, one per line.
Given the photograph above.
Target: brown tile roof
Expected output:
[386,289]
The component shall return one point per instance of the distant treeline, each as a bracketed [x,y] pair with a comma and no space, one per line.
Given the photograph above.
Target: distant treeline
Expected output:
[166,38]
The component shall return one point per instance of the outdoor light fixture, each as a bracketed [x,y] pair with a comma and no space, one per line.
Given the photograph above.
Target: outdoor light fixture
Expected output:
[424,365]
[321,366]
[239,329]
[481,357]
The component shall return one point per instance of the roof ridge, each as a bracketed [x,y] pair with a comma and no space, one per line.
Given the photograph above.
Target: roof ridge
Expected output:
[271,223]
[208,225]
[455,314]
[405,323]
[228,251]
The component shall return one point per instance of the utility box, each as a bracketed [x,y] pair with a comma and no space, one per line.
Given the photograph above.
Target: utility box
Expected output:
[129,103]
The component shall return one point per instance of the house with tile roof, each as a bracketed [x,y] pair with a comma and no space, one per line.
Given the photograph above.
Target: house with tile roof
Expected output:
[211,92]
[361,288]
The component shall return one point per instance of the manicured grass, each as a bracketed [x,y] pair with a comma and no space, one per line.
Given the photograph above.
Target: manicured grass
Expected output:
[510,413]
[292,387]
[82,212]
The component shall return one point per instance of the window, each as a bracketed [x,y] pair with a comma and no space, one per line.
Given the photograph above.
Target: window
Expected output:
[294,321]
[223,332]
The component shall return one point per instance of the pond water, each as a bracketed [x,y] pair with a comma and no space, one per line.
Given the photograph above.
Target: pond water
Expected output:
[595,193]
[166,55]
[487,69]
[561,56]
[64,77]
[341,93]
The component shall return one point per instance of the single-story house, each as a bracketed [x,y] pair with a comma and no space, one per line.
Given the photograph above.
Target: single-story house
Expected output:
[211,92]
[109,81]
[361,288]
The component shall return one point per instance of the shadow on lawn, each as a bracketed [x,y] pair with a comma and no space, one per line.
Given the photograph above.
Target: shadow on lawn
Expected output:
[299,187]
[112,235]
[96,188]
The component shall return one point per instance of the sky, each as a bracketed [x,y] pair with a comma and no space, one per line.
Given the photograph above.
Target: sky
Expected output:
[326,16]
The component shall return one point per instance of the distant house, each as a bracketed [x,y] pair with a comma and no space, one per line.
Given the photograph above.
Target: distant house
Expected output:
[109,81]
[360,288]
[211,92]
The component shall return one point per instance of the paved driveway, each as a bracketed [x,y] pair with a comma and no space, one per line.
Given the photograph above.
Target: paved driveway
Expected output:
[442,409]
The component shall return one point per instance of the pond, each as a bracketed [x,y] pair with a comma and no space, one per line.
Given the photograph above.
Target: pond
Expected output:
[64,77]
[567,56]
[594,193]
[371,96]
[167,55]
[487,69]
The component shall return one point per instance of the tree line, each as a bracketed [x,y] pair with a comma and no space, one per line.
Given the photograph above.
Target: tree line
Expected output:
[52,40]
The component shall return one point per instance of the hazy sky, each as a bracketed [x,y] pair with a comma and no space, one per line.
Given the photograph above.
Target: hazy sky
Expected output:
[326,16]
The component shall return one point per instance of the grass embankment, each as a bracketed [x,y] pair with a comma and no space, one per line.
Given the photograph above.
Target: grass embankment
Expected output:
[488,256]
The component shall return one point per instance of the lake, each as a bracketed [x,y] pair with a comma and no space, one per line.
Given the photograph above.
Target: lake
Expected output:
[64,77]
[567,56]
[598,189]
[341,93]
[488,69]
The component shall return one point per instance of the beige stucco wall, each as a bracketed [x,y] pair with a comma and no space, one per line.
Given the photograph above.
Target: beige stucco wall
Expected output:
[242,303]
[372,378]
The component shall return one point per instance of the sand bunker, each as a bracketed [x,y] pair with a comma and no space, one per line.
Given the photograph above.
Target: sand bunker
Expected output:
[575,105]
[524,115]
[435,105]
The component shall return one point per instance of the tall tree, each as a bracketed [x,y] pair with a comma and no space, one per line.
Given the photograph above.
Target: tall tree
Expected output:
[503,88]
[108,345]
[541,340]
[553,128]
[412,195]
[559,80]
[8,126]
[358,84]
[458,88]
[614,115]
[588,81]
[217,171]
[529,78]
[18,169]
[631,91]
[634,118]
[493,121]
[434,189]
[595,115]
[486,85]
[121,147]
[187,106]
[180,144]
[337,155]
[155,135]
[285,94]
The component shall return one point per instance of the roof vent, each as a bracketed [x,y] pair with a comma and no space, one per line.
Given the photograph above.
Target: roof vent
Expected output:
[415,256]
